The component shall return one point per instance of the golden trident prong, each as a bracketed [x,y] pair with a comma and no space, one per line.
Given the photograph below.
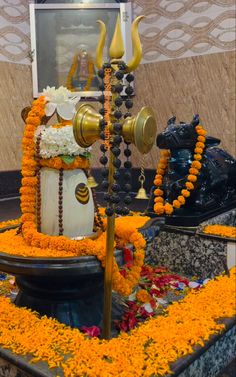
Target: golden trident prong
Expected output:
[116,50]
[100,46]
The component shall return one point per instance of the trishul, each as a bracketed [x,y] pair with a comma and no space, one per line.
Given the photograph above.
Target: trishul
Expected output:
[116,50]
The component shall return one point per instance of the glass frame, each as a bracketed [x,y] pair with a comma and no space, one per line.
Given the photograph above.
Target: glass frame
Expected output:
[125,16]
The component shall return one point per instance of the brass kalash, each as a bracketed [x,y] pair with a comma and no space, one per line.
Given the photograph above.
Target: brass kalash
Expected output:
[139,130]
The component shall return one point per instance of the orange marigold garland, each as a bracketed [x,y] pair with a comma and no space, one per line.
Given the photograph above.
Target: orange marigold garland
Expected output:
[50,245]
[58,163]
[161,206]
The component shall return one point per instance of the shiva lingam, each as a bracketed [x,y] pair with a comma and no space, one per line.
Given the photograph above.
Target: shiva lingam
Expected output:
[71,288]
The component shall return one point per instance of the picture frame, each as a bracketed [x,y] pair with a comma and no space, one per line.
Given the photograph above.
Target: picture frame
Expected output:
[63,44]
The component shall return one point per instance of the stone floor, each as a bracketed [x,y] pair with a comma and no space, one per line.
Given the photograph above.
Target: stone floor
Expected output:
[230,371]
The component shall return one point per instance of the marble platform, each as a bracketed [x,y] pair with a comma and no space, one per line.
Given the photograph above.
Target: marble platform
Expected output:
[191,252]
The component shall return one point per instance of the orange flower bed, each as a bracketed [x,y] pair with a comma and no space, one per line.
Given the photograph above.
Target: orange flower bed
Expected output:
[5,224]
[47,246]
[221,230]
[147,351]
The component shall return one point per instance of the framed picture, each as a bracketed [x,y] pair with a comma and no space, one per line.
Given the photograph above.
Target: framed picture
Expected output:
[64,39]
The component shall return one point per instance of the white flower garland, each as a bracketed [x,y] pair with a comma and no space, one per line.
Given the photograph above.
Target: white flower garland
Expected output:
[58,141]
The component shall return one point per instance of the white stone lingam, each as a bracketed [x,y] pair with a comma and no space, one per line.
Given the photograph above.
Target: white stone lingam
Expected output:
[77,203]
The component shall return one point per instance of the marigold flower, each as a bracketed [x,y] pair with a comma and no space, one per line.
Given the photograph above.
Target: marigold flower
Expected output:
[194,171]
[201,138]
[159,208]
[201,132]
[165,153]
[159,199]
[157,182]
[176,204]
[185,193]
[168,208]
[198,150]
[189,185]
[199,144]
[158,192]
[196,164]
[192,178]
[181,199]
[161,166]
[197,157]
[143,296]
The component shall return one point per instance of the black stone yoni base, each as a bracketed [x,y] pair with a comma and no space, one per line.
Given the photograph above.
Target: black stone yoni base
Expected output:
[68,289]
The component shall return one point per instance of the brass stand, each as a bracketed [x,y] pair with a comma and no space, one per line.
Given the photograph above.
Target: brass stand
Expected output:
[110,238]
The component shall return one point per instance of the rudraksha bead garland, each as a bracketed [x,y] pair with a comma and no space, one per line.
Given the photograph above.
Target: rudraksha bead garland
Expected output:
[127,151]
[113,198]
[60,202]
[38,187]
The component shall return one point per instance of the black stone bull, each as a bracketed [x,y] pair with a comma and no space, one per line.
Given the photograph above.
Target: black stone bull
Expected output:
[216,183]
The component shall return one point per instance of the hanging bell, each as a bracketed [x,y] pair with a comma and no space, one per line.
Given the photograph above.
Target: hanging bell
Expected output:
[91,182]
[141,194]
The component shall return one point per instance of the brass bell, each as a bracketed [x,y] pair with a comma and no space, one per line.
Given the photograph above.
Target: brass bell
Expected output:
[91,182]
[141,194]
[139,130]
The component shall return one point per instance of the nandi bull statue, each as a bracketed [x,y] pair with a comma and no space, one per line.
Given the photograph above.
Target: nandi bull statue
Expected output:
[196,180]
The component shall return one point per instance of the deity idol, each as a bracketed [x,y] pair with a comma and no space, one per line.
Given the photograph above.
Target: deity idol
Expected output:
[81,76]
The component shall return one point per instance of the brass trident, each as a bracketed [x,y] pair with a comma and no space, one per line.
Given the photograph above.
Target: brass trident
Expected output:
[116,50]
[116,53]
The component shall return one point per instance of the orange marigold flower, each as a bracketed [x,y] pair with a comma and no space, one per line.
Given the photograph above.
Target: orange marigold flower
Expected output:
[143,296]
[157,182]
[198,127]
[194,171]
[158,192]
[168,208]
[165,153]
[198,150]
[159,199]
[159,208]
[163,161]
[189,185]
[192,178]
[161,172]
[199,144]
[181,199]
[185,193]
[176,204]
[201,138]
[201,132]
[196,164]
[161,166]
[197,157]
